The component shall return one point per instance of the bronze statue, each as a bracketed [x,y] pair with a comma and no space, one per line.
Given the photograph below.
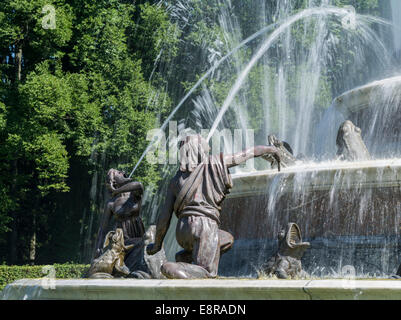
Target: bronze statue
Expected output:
[286,263]
[111,262]
[124,206]
[350,145]
[195,194]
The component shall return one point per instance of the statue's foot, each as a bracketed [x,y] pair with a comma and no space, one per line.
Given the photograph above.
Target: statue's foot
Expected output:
[121,271]
[226,241]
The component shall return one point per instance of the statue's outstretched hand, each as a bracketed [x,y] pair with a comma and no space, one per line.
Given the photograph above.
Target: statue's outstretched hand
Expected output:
[152,249]
[275,154]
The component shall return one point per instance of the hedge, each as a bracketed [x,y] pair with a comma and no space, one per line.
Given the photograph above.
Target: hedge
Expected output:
[9,274]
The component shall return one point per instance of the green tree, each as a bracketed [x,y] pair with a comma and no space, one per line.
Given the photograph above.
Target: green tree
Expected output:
[74,101]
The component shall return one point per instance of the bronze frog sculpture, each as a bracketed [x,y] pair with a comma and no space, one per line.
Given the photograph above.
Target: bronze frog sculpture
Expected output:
[286,263]
[111,262]
[286,154]
[350,145]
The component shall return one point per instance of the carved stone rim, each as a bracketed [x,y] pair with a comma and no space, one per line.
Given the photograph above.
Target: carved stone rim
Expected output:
[341,175]
[363,96]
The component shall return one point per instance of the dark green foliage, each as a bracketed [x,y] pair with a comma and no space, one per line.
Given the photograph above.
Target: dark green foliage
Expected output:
[74,101]
[9,274]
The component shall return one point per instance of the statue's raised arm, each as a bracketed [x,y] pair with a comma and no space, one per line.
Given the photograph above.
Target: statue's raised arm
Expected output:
[235,159]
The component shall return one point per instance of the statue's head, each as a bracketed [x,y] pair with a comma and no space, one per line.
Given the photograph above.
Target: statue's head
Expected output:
[193,151]
[115,236]
[116,179]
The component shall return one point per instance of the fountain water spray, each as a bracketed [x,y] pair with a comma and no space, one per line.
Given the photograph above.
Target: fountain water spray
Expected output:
[345,13]
[198,83]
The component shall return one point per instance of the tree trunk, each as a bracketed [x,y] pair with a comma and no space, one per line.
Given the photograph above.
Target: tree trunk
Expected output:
[14,224]
[18,57]
[13,240]
[32,245]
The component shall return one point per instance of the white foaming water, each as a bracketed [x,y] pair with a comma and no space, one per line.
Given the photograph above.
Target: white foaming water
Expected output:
[307,87]
[266,45]
[196,86]
[310,80]
[311,166]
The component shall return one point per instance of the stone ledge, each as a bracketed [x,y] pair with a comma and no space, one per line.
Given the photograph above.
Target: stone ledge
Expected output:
[325,176]
[364,96]
[206,289]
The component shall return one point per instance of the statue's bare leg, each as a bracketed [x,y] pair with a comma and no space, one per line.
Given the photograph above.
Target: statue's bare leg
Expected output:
[199,235]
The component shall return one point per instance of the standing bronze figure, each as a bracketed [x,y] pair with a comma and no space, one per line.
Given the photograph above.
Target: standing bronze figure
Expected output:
[195,195]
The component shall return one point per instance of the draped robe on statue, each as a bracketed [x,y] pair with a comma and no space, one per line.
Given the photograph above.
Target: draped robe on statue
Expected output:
[198,206]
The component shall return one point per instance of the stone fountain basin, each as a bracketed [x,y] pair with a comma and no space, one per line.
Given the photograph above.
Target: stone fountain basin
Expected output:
[321,176]
[350,212]
[361,97]
[205,289]
[376,109]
